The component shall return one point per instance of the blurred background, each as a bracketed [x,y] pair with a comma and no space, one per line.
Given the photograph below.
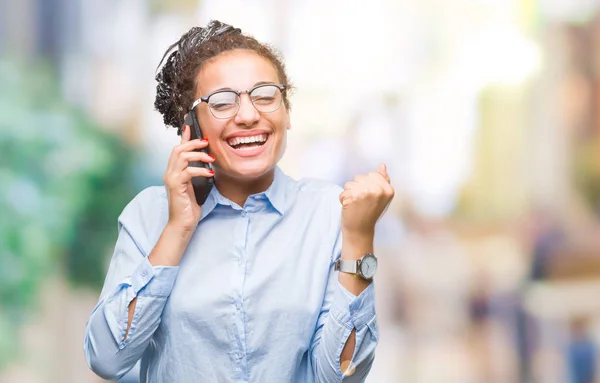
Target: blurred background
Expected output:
[487,113]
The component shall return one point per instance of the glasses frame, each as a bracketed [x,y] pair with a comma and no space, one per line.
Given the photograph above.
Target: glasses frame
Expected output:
[239,93]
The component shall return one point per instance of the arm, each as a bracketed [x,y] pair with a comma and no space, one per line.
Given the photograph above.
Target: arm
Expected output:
[168,251]
[344,344]
[136,288]
[347,331]
[129,309]
[144,265]
[353,248]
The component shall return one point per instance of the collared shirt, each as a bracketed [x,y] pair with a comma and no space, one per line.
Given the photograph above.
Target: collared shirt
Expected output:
[254,299]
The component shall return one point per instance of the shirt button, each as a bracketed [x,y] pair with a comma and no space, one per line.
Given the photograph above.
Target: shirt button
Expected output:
[244,213]
[239,355]
[240,262]
[238,306]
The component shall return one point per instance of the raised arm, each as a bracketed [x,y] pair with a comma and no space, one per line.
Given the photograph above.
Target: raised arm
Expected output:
[343,348]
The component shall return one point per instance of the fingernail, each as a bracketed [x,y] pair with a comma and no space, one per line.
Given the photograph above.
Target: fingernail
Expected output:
[204,139]
[185,127]
[211,171]
[211,156]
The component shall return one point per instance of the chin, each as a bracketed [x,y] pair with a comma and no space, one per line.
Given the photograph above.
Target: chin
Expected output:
[251,169]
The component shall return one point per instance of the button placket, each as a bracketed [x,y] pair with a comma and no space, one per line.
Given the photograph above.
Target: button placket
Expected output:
[241,231]
[242,243]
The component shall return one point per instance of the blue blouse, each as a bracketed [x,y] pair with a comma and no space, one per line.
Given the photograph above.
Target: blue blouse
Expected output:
[254,299]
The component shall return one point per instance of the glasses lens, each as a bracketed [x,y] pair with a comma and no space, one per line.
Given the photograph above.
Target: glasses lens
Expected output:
[224,104]
[266,98]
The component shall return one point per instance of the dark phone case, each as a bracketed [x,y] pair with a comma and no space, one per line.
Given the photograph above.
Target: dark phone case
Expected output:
[202,185]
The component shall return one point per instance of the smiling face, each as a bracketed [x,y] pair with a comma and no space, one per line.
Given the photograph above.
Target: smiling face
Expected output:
[237,142]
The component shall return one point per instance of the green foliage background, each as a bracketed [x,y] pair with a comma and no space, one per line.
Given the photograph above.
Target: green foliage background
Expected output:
[63,183]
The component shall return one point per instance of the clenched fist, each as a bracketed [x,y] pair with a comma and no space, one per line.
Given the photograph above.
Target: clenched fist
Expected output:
[364,200]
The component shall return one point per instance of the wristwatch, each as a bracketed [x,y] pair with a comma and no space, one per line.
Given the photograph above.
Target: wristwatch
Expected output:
[364,267]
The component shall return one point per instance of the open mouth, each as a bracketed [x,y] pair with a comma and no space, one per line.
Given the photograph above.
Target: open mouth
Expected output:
[248,143]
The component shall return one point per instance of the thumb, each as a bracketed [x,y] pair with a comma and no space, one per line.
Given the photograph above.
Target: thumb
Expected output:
[383,171]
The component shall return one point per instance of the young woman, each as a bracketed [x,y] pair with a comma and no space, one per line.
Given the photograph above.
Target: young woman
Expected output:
[270,279]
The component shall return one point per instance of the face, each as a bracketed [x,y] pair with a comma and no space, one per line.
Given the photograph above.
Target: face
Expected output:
[230,140]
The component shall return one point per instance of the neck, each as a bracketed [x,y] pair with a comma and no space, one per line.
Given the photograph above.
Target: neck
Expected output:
[238,190]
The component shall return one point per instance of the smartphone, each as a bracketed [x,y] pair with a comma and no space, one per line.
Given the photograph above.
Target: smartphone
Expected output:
[202,185]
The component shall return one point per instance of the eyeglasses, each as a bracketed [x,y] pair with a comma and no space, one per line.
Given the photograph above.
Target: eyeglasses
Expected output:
[223,104]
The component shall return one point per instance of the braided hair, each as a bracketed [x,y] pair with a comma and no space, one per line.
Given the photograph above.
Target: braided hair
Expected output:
[177,78]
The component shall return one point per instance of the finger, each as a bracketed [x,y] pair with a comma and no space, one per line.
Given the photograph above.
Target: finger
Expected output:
[193,171]
[188,147]
[350,185]
[367,191]
[371,184]
[376,178]
[185,136]
[186,157]
[380,189]
[193,145]
[197,156]
[345,198]
[382,169]
[175,162]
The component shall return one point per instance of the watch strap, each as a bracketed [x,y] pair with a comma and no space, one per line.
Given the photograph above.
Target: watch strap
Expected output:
[349,266]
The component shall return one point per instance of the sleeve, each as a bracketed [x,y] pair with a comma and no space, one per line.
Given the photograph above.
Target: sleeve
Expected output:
[130,275]
[340,313]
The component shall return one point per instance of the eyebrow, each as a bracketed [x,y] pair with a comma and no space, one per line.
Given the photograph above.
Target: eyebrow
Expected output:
[255,84]
[263,83]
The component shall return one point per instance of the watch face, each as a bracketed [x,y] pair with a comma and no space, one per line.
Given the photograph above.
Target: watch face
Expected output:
[368,266]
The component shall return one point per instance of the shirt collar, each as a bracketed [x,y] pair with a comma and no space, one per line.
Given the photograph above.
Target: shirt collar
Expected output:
[275,194]
[211,202]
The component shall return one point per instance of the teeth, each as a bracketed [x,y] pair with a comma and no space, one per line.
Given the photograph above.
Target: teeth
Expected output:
[247,140]
[247,147]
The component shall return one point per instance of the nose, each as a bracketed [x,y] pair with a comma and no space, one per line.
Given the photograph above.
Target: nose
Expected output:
[247,114]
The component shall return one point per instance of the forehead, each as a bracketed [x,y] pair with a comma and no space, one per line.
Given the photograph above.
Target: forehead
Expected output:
[238,69]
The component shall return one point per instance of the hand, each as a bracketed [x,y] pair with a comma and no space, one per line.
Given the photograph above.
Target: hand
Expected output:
[184,211]
[363,201]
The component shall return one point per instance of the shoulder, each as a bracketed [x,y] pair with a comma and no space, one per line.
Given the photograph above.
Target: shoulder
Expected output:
[317,188]
[320,196]
[147,213]
[147,200]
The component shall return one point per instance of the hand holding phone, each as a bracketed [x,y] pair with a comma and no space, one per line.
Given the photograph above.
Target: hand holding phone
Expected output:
[187,162]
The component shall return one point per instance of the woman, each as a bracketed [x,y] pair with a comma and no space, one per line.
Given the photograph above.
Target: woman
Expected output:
[246,287]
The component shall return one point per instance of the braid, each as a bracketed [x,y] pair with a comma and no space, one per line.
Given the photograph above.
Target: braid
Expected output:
[166,101]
